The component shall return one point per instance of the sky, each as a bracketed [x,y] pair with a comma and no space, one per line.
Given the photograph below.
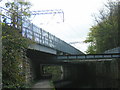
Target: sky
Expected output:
[77,18]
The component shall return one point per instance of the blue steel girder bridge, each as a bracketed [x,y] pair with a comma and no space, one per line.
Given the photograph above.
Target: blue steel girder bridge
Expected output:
[48,49]
[48,43]
[45,41]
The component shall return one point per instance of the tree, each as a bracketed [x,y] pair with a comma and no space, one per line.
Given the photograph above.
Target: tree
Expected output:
[14,46]
[18,11]
[105,34]
[13,56]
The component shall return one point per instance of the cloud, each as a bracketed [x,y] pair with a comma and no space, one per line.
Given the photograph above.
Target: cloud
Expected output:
[77,17]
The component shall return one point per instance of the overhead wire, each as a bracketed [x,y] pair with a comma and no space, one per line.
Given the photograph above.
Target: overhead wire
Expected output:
[73,30]
[54,12]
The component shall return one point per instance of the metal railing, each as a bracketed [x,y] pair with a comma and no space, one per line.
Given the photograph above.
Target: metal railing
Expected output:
[114,50]
[89,56]
[31,31]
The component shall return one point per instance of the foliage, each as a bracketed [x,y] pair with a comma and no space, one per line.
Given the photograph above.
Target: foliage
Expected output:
[52,85]
[14,61]
[54,70]
[13,52]
[18,11]
[105,34]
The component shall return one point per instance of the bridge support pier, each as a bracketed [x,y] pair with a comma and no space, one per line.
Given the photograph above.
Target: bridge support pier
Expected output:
[36,71]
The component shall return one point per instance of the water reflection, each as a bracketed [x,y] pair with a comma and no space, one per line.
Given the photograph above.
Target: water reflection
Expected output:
[96,83]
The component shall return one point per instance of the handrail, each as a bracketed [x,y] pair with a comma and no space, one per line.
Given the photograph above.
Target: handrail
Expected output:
[88,56]
[31,31]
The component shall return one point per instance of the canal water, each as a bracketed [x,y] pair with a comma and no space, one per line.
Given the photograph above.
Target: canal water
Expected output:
[96,83]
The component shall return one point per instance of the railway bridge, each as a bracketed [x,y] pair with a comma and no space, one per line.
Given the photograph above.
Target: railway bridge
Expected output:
[77,66]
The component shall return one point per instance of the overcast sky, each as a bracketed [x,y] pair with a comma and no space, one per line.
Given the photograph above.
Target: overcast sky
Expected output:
[77,18]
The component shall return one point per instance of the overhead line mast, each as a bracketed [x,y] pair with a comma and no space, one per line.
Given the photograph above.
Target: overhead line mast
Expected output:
[43,12]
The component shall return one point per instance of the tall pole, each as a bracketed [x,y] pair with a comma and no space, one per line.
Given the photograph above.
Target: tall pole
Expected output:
[119,23]
[0,49]
[21,19]
[63,16]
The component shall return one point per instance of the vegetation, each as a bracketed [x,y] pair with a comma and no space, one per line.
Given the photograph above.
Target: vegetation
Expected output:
[14,64]
[105,34]
[18,10]
[54,70]
[14,56]
[14,46]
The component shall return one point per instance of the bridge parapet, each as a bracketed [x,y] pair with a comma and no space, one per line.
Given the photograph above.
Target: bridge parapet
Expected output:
[114,50]
[31,31]
[88,57]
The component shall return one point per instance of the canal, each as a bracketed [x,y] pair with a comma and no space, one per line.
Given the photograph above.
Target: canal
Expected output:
[91,83]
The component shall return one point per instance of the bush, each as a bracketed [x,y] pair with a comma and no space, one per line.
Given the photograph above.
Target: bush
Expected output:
[13,57]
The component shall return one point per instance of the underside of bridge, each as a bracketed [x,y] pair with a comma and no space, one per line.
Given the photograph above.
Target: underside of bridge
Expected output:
[38,58]
[99,74]
[84,73]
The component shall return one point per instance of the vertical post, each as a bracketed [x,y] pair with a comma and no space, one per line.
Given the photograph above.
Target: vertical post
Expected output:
[41,35]
[93,56]
[118,23]
[85,57]
[0,50]
[54,42]
[21,20]
[76,57]
[48,39]
[44,40]
[33,36]
[63,16]
[39,39]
